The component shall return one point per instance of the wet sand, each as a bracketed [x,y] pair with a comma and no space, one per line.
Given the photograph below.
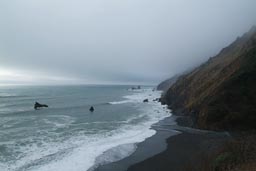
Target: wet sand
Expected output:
[173,147]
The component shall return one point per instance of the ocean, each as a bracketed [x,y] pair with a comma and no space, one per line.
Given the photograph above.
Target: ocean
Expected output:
[66,136]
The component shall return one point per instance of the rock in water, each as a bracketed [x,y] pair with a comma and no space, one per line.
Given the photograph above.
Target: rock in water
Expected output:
[91,109]
[145,101]
[38,105]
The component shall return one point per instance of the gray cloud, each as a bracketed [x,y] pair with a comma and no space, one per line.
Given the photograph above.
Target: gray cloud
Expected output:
[129,41]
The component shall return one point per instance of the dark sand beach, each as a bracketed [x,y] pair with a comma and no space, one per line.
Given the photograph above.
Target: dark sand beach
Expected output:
[173,147]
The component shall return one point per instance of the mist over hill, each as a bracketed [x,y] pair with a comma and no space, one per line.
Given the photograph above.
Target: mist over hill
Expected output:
[220,93]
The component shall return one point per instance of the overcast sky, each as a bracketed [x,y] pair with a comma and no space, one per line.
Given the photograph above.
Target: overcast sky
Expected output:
[114,41]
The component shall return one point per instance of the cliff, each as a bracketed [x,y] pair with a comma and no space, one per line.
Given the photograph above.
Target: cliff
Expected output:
[221,93]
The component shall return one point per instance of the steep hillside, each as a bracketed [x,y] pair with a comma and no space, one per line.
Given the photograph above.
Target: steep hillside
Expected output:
[221,93]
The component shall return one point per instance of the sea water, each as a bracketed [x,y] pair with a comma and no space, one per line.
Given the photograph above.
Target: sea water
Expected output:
[66,136]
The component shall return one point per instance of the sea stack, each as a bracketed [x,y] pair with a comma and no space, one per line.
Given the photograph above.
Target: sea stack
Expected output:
[91,109]
[38,105]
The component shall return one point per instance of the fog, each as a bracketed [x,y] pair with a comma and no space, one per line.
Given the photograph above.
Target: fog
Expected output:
[114,41]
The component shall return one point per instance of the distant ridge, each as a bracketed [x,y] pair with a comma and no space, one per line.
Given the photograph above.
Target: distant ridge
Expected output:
[165,85]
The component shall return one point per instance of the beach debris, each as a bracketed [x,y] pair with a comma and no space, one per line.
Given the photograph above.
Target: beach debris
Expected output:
[38,105]
[145,101]
[91,109]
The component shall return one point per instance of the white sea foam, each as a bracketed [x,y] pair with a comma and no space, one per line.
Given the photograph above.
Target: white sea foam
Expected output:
[120,102]
[84,157]
[82,152]
[115,154]
[138,96]
[3,94]
[59,121]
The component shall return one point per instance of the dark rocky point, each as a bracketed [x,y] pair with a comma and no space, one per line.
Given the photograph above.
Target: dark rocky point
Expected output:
[145,101]
[91,109]
[38,105]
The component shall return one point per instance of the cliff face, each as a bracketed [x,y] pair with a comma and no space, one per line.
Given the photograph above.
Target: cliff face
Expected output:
[221,93]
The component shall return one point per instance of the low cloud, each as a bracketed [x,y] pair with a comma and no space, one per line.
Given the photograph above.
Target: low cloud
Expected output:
[129,41]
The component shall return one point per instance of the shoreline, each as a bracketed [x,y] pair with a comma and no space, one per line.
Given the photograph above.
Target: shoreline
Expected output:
[175,146]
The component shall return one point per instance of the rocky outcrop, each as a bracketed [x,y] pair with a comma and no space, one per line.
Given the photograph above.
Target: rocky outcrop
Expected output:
[38,105]
[145,101]
[91,109]
[221,93]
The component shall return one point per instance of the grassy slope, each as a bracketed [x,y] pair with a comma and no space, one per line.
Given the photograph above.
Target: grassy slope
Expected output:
[220,93]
